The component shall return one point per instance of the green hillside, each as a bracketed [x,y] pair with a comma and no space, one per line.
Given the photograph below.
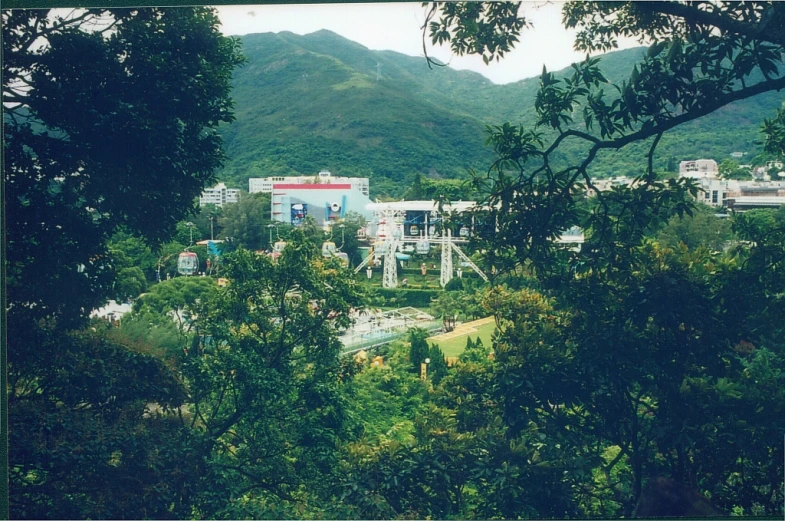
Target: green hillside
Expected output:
[299,110]
[305,103]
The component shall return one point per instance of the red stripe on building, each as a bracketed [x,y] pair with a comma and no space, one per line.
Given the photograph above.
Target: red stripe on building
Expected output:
[290,186]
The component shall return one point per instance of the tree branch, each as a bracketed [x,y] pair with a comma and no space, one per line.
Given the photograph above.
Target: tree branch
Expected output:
[642,134]
[259,482]
[428,17]
[724,23]
[650,155]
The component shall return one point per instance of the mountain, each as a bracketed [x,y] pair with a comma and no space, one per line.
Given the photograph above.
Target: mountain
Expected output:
[306,103]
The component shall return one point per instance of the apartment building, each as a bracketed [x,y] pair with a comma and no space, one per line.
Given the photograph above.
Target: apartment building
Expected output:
[699,168]
[219,195]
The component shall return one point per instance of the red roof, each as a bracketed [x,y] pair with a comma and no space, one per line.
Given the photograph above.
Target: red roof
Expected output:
[295,186]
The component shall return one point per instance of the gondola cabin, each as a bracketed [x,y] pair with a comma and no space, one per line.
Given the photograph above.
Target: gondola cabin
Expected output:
[343,256]
[328,249]
[278,248]
[423,247]
[187,263]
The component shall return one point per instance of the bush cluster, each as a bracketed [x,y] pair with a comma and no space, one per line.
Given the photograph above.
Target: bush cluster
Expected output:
[399,297]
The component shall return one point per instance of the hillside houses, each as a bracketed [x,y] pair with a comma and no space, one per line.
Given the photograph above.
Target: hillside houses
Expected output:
[760,191]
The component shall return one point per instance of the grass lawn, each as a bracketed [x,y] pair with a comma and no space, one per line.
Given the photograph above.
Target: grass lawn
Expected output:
[455,346]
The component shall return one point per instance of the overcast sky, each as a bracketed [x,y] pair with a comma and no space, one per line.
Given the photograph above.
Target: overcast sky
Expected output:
[397,27]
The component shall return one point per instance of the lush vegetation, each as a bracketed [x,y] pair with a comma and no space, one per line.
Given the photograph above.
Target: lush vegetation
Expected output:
[672,365]
[654,356]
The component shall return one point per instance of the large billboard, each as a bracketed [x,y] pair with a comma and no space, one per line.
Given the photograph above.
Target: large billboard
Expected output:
[299,213]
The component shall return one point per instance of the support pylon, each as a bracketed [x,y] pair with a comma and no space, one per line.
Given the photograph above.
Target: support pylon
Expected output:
[446,272]
[468,261]
[390,273]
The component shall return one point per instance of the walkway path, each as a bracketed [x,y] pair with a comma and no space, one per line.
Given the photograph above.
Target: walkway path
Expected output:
[463,329]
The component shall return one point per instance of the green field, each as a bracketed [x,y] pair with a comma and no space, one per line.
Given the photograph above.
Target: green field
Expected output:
[455,346]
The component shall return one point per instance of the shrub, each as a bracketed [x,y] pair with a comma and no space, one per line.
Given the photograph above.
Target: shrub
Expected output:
[418,298]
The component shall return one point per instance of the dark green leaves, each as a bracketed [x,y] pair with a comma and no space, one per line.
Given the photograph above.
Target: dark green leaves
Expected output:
[133,147]
[774,130]
[489,29]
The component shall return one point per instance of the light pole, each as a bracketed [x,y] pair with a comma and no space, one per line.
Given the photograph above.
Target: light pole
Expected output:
[211,228]
[191,230]
[270,227]
[424,369]
[343,237]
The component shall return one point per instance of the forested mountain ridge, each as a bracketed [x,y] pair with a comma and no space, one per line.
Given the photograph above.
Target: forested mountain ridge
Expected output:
[304,103]
[299,111]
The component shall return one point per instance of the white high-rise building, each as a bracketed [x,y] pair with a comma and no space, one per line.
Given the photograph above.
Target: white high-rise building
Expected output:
[265,184]
[699,168]
[219,195]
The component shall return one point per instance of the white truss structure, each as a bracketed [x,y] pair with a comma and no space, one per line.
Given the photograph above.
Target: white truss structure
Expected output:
[469,262]
[390,274]
[390,219]
[446,270]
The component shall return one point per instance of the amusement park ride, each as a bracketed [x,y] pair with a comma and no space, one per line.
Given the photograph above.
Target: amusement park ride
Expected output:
[412,226]
[397,230]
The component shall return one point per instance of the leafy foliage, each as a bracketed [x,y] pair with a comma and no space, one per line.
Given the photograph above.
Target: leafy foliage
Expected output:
[264,376]
[701,59]
[702,228]
[622,369]
[437,368]
[246,222]
[177,300]
[657,349]
[147,89]
[730,169]
[418,348]
[487,29]
[130,150]
[77,421]
[130,283]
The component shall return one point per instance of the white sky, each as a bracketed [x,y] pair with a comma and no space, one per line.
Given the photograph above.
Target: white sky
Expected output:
[397,27]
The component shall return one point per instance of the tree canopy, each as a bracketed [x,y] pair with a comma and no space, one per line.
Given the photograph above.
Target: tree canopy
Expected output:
[247,221]
[702,56]
[109,125]
[134,145]
[655,350]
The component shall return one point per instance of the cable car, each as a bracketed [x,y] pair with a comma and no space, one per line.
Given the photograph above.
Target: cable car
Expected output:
[422,247]
[464,231]
[187,263]
[344,257]
[328,249]
[278,248]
